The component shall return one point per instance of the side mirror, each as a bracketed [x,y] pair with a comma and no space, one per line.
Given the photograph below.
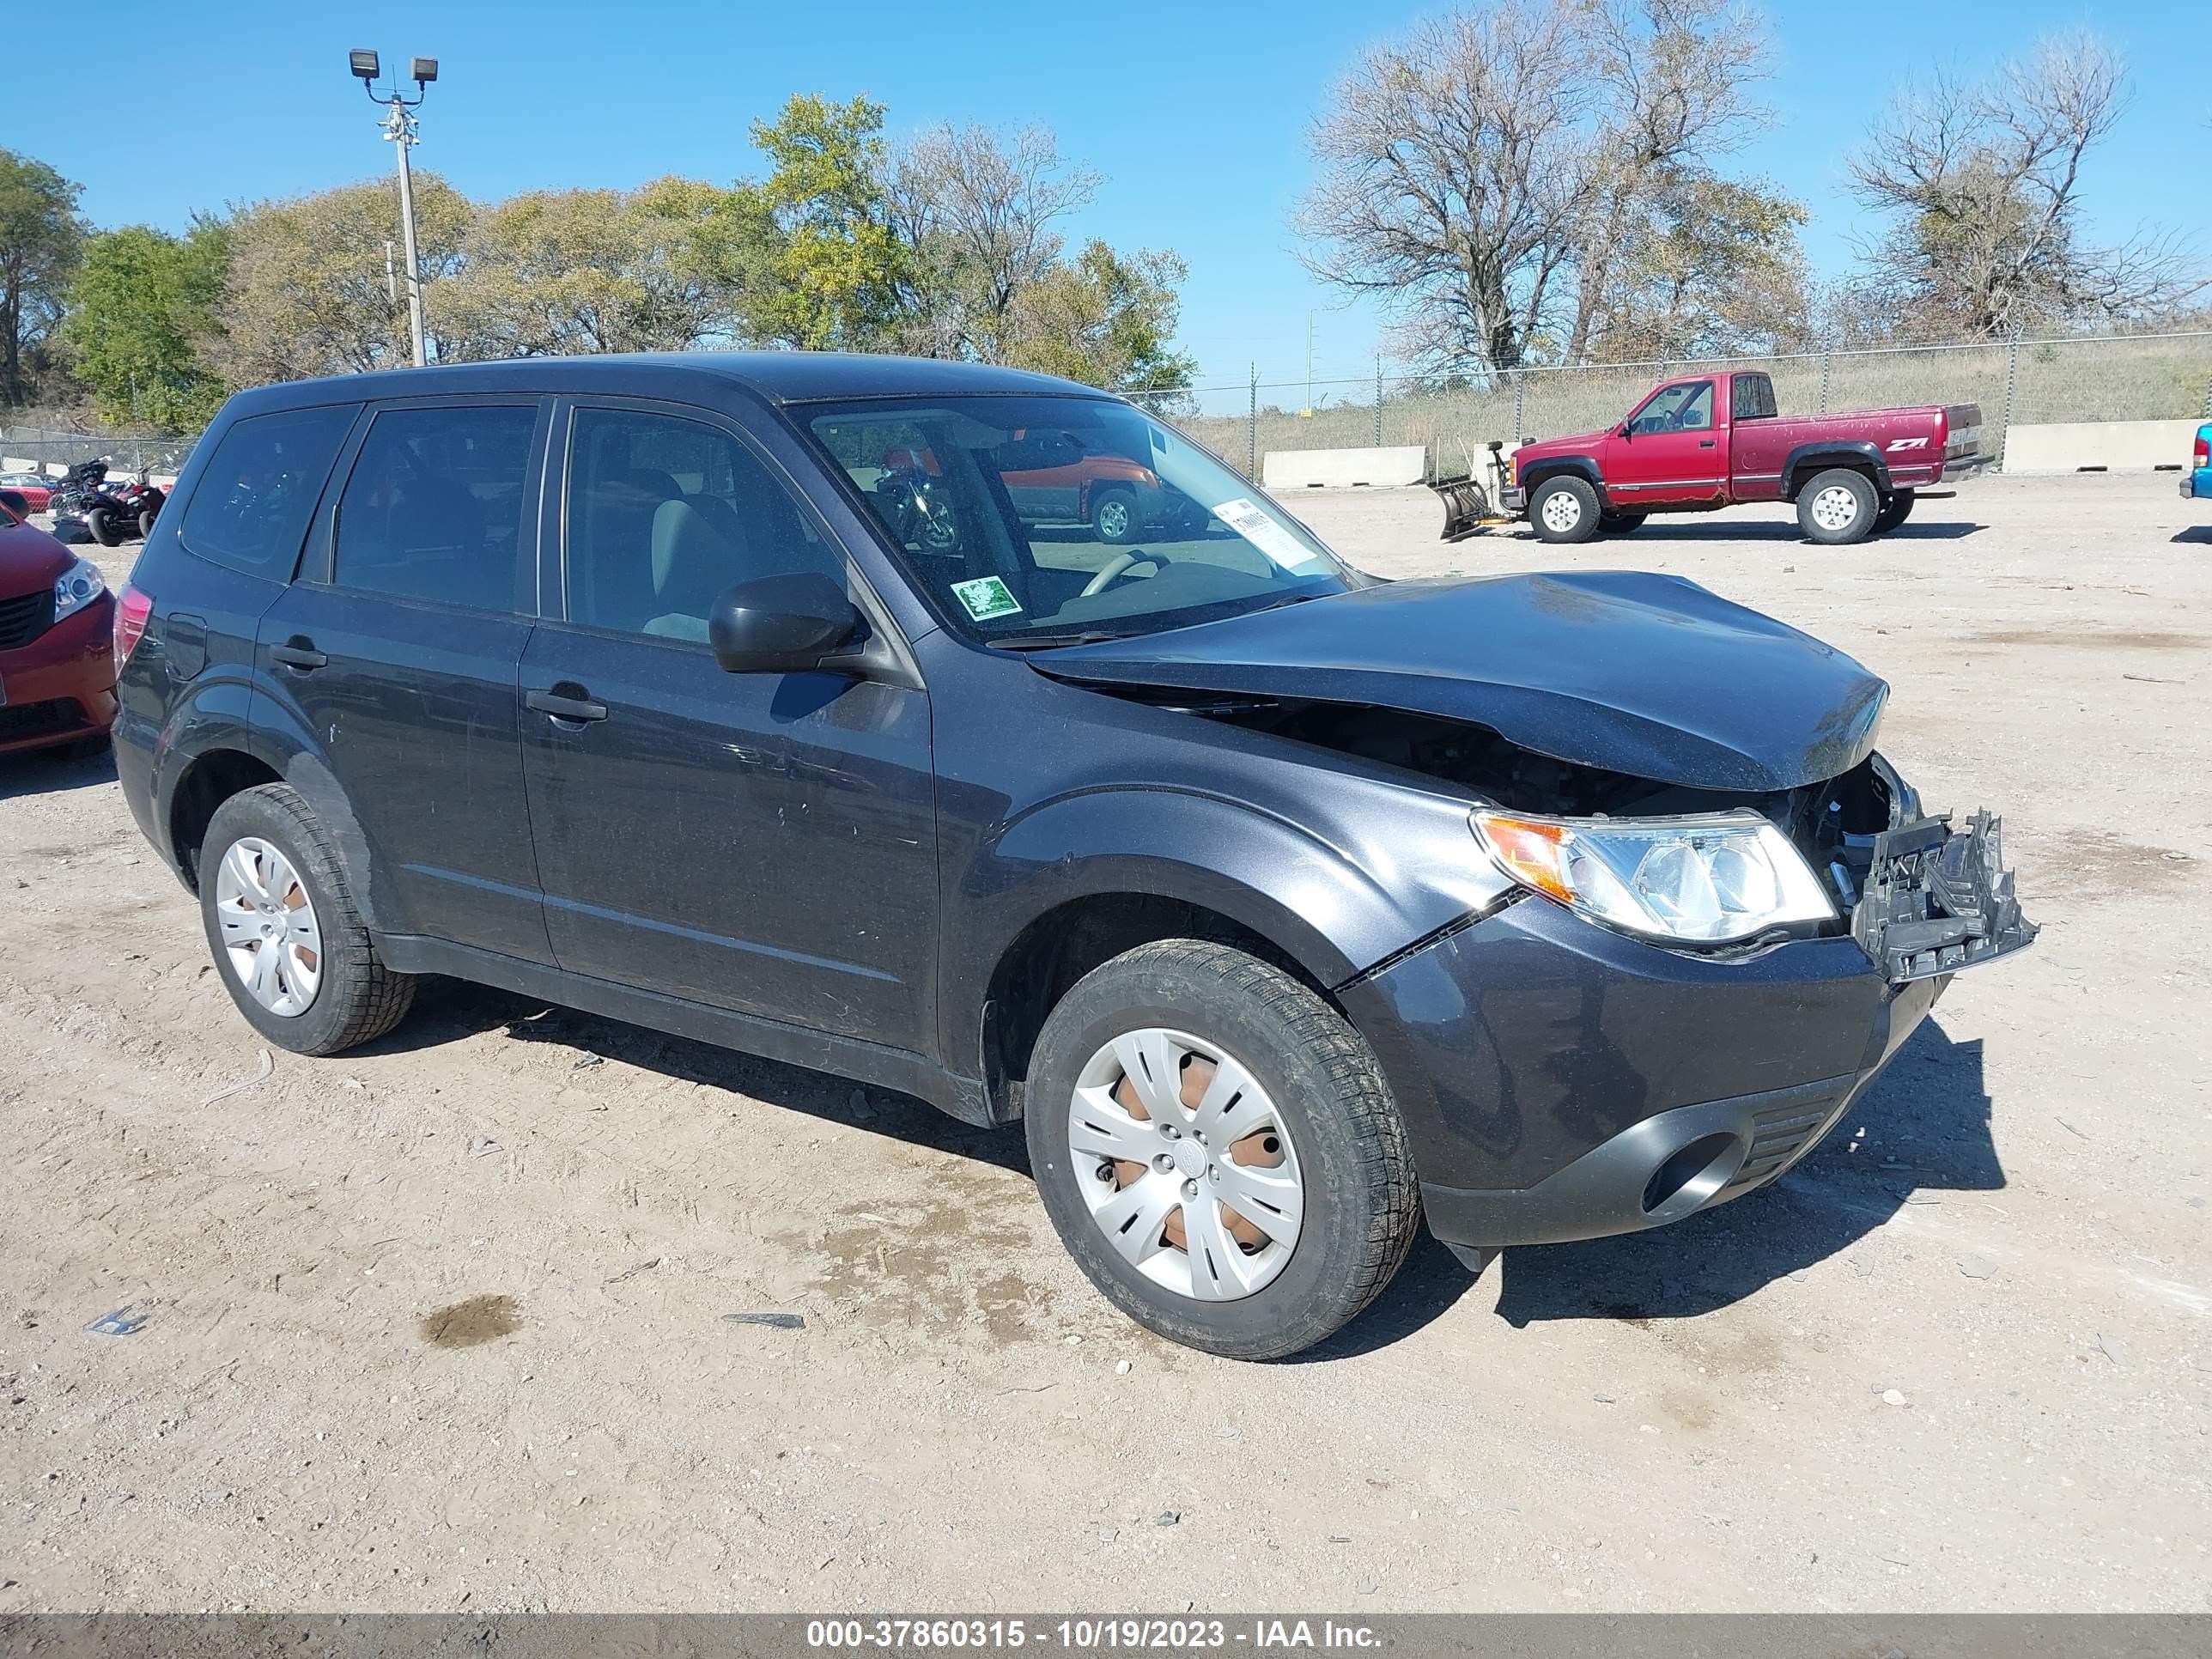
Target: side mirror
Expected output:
[1628,428]
[781,624]
[15,505]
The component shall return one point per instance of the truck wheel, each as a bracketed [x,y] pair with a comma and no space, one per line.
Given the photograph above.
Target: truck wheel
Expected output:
[1114,516]
[1838,507]
[1620,524]
[1563,510]
[1894,512]
[282,922]
[1218,1151]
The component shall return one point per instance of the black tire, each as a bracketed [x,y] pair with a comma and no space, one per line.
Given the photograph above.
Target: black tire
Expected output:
[1620,524]
[1894,512]
[146,524]
[101,523]
[1114,516]
[1362,1203]
[1819,507]
[1550,516]
[357,999]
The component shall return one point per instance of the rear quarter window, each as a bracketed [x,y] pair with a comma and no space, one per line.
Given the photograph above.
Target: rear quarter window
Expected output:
[250,509]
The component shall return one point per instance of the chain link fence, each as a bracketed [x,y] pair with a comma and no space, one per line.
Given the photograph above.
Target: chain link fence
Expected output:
[49,450]
[2123,378]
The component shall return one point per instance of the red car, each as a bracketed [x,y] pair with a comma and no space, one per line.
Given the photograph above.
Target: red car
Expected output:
[1709,440]
[56,639]
[36,491]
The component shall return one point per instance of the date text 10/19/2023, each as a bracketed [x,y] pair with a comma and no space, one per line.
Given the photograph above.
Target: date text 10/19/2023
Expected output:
[1258,1636]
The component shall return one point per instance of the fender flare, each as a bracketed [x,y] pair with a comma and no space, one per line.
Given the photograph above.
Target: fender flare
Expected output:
[1808,457]
[1550,467]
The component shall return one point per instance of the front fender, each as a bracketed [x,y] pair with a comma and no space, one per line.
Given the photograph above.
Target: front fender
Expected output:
[1337,893]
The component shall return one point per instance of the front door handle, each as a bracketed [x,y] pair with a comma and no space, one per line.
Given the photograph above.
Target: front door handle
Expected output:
[1705,443]
[299,652]
[562,706]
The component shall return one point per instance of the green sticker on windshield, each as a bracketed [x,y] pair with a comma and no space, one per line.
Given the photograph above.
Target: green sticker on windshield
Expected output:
[987,597]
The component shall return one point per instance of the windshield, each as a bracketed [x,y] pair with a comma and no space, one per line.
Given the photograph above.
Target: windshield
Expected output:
[1035,519]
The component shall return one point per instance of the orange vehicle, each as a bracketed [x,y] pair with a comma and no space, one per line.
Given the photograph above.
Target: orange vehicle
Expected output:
[1055,478]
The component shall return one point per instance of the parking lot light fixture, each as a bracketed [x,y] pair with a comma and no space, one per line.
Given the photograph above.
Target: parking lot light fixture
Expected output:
[399,127]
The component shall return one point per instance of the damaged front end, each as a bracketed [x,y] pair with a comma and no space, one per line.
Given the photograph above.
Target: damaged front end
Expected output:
[1936,900]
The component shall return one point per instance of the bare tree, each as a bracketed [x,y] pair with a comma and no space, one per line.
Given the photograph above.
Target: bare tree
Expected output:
[979,213]
[1506,177]
[1984,185]
[1455,165]
[1677,79]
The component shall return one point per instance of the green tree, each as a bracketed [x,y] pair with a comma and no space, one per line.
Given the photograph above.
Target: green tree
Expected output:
[657,269]
[1106,320]
[40,240]
[833,271]
[1711,267]
[311,292]
[142,313]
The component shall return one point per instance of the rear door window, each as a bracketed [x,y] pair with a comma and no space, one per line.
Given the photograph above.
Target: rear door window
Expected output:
[250,509]
[433,508]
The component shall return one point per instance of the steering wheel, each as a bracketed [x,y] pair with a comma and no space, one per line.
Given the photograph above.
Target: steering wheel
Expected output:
[1118,566]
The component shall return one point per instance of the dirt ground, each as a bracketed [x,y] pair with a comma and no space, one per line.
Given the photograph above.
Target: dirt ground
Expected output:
[449,1322]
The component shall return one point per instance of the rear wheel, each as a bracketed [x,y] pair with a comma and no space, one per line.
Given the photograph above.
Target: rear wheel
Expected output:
[1563,510]
[101,523]
[1619,524]
[281,919]
[1838,507]
[1894,512]
[1217,1150]
[146,523]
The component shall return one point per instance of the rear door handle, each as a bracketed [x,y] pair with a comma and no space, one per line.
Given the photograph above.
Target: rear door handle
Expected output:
[299,652]
[580,707]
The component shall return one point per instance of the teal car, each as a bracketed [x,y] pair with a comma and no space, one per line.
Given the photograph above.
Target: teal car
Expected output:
[2198,481]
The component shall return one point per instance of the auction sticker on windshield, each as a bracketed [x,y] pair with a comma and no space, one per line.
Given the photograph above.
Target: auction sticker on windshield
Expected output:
[1246,519]
[987,597]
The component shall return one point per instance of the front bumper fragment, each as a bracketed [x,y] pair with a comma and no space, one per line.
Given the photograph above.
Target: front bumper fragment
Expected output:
[1935,900]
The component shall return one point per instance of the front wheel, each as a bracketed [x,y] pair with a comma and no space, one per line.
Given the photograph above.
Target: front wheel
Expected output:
[1114,516]
[101,523]
[1894,512]
[282,922]
[1838,507]
[1218,1151]
[1563,510]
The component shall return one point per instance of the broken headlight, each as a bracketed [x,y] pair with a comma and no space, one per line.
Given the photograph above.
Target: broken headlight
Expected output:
[1709,880]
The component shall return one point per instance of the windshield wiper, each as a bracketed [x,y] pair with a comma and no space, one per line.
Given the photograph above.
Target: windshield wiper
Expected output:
[1051,642]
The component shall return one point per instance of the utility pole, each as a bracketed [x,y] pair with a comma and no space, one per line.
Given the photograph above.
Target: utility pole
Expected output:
[1308,410]
[400,129]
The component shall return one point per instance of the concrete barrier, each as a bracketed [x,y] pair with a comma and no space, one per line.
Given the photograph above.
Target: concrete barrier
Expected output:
[1344,469]
[2114,446]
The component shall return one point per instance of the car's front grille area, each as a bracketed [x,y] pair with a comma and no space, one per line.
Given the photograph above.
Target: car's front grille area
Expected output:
[39,720]
[1780,1132]
[26,617]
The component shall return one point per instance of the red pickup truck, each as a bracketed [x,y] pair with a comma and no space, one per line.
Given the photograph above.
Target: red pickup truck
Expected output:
[1711,440]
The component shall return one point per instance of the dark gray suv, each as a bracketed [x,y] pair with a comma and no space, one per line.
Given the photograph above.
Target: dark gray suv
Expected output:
[738,697]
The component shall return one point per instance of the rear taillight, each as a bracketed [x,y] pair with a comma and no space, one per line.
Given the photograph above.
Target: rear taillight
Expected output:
[2203,451]
[133,609]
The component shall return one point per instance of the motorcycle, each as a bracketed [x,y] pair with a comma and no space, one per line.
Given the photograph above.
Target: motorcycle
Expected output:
[109,513]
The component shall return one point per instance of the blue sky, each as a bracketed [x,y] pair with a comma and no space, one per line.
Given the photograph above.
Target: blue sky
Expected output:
[1195,113]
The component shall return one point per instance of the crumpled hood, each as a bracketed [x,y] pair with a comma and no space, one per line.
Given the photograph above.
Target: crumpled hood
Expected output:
[1647,675]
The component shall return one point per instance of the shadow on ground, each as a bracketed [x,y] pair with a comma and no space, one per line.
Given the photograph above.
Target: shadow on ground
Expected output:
[1922,1130]
[1786,530]
[56,771]
[2199,533]
[448,1011]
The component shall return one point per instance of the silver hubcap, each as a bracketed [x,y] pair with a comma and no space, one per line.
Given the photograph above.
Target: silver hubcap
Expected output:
[1563,510]
[1835,507]
[1114,518]
[270,933]
[1185,1164]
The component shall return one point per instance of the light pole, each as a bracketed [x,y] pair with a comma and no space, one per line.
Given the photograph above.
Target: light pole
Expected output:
[399,127]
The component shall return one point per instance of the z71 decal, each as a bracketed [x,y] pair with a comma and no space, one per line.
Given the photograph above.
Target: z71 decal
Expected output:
[1908,443]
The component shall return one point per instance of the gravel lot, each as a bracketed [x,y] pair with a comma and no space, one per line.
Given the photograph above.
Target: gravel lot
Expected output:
[446,1322]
